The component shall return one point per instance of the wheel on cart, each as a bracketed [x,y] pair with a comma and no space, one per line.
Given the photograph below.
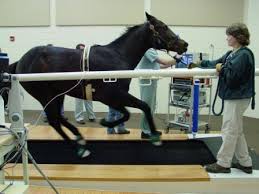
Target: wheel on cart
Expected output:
[167,129]
[184,130]
[207,128]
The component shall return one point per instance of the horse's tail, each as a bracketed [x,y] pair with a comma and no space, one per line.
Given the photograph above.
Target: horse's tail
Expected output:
[12,67]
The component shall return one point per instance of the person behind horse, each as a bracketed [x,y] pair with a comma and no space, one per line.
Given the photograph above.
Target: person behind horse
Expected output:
[114,115]
[79,109]
[236,87]
[151,60]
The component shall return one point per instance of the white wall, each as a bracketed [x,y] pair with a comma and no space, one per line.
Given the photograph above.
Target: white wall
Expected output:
[199,38]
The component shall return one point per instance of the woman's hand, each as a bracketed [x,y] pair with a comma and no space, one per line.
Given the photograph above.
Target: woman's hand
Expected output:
[192,65]
[219,67]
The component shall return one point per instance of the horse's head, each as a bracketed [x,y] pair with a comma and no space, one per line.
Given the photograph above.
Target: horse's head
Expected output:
[164,38]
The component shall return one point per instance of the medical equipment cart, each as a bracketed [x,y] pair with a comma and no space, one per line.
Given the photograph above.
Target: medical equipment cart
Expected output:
[181,98]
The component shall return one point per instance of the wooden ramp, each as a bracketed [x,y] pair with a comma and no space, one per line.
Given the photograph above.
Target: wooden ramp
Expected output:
[133,173]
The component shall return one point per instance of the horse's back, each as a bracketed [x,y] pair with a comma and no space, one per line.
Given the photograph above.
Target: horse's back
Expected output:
[23,65]
[42,59]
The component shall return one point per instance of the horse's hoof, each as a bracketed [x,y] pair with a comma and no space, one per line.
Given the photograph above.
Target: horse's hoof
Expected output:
[83,153]
[157,143]
[81,142]
[155,140]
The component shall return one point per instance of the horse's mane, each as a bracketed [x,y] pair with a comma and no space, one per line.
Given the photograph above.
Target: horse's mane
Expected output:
[129,31]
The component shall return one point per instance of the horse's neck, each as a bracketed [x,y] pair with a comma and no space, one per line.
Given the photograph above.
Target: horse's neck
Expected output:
[135,53]
[134,46]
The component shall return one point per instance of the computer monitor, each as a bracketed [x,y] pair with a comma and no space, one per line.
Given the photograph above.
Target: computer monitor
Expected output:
[187,59]
[4,62]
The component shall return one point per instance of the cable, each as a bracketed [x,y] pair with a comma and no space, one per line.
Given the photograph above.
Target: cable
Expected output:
[214,101]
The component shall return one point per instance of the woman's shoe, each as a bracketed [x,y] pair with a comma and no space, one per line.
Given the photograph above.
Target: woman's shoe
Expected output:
[92,120]
[123,131]
[111,131]
[81,122]
[215,168]
[246,169]
[45,119]
[148,136]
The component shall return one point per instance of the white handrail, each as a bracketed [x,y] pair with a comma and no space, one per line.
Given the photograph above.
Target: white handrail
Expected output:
[148,74]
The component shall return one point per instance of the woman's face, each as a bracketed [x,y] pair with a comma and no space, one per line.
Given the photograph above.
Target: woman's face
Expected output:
[232,41]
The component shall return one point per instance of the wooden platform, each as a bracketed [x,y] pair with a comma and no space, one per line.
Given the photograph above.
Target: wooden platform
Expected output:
[133,173]
[47,190]
[25,189]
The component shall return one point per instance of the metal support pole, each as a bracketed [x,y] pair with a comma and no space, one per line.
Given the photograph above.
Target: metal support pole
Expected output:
[17,124]
[195,113]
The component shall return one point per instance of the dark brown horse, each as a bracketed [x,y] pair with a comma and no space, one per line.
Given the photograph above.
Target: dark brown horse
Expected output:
[124,53]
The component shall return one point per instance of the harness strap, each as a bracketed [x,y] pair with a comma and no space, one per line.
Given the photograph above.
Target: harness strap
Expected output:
[217,91]
[85,67]
[253,82]
[85,58]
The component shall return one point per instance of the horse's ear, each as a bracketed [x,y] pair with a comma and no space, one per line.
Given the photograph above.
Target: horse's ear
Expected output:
[150,18]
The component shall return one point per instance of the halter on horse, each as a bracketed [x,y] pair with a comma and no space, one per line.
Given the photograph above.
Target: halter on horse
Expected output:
[124,53]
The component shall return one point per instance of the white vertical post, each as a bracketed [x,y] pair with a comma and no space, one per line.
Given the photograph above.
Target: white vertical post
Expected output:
[16,118]
[15,109]
[2,116]
[147,7]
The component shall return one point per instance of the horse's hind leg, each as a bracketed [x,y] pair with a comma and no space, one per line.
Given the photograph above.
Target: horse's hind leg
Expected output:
[63,121]
[54,118]
[81,143]
[44,95]
[53,112]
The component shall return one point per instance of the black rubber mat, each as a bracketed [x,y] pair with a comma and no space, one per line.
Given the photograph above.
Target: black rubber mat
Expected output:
[122,152]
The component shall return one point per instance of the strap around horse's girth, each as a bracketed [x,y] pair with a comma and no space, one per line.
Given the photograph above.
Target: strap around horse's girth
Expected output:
[86,57]
[85,67]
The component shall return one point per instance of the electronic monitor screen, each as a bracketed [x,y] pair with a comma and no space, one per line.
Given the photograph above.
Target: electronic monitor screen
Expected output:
[3,54]
[4,62]
[187,59]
